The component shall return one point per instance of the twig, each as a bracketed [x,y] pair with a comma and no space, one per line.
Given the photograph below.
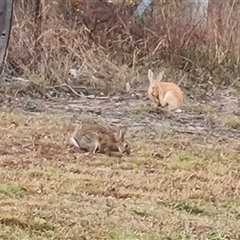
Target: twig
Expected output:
[17,79]
[59,86]
[180,81]
[236,80]
[77,94]
[12,125]
[77,128]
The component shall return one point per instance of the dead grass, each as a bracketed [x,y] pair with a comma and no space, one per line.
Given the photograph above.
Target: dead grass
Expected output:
[169,188]
[108,47]
[174,185]
[232,122]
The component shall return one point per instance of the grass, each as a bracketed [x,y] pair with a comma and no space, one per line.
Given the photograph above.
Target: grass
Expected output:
[49,190]
[232,122]
[180,183]
[117,48]
[192,209]
[11,190]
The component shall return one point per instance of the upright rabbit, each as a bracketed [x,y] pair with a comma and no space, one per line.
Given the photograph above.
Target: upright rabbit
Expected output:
[164,94]
[97,138]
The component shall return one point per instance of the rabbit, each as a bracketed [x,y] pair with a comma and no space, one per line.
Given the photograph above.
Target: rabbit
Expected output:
[164,94]
[97,138]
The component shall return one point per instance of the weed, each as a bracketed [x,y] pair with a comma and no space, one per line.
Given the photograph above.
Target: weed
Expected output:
[139,212]
[12,190]
[188,207]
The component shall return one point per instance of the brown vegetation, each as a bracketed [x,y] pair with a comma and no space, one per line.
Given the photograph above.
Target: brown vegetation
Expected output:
[107,44]
[181,180]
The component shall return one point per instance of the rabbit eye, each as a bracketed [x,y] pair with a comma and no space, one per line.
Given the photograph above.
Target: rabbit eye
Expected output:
[126,145]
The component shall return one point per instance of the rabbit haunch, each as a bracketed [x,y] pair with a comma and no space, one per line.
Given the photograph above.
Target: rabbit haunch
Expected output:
[97,138]
[164,94]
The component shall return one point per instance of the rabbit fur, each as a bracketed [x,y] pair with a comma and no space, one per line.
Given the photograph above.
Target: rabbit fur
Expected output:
[164,94]
[97,138]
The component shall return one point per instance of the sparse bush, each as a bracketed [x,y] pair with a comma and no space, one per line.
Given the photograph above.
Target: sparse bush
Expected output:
[109,45]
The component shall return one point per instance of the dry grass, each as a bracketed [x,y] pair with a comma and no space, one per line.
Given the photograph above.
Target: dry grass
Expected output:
[109,47]
[175,186]
[169,188]
[233,122]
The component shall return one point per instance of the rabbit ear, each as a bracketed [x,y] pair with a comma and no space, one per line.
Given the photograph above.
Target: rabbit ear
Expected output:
[120,133]
[74,142]
[160,76]
[150,75]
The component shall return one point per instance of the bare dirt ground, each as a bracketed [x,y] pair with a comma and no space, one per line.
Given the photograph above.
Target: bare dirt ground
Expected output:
[181,181]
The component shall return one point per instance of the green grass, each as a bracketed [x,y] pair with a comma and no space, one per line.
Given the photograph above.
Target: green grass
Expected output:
[11,190]
[190,208]
[170,187]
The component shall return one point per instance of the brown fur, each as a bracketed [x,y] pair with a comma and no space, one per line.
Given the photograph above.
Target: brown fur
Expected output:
[95,137]
[164,94]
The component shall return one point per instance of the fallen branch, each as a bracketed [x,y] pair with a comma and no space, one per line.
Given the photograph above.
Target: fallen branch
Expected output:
[77,94]
[81,95]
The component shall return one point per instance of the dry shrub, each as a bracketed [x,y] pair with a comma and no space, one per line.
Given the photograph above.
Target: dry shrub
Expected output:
[108,45]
